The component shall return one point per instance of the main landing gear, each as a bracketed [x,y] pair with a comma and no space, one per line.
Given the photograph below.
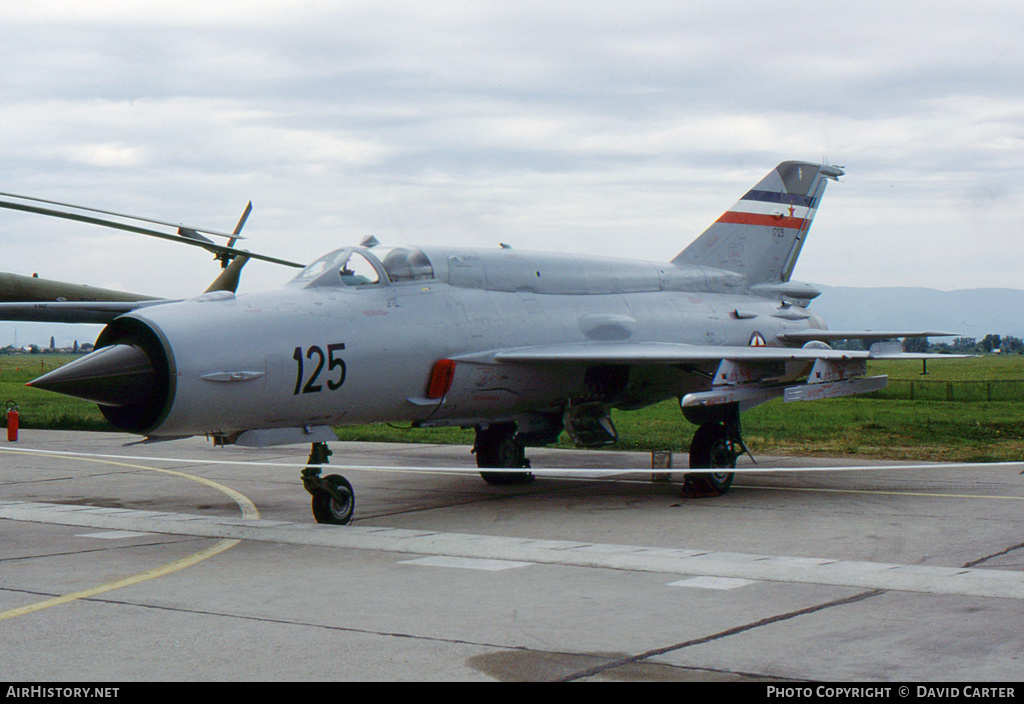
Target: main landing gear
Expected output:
[716,445]
[497,446]
[333,498]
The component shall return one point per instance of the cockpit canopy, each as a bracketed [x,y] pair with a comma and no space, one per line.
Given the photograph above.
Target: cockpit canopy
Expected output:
[404,263]
[356,266]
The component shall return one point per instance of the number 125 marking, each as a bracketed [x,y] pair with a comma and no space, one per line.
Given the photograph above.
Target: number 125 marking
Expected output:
[334,380]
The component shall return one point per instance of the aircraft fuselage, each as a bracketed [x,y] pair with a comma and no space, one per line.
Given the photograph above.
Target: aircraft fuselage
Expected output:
[314,354]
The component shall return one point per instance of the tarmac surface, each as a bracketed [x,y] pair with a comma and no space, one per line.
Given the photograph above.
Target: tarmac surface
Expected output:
[145,563]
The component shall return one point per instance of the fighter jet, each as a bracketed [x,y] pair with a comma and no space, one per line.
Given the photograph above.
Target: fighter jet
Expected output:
[518,345]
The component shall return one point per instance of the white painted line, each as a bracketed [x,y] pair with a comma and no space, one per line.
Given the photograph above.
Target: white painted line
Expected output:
[466,563]
[114,535]
[1005,584]
[591,472]
[722,583]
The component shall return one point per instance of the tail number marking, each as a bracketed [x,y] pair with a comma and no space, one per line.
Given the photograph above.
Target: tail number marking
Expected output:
[335,368]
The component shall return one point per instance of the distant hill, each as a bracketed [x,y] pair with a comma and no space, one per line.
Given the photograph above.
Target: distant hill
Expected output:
[970,313]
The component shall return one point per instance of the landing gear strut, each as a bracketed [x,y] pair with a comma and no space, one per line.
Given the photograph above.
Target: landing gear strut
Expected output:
[333,498]
[497,446]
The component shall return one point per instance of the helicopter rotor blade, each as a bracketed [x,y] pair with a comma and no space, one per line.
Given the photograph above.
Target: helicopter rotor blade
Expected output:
[186,235]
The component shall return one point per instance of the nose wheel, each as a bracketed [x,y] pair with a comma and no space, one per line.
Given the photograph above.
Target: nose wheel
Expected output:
[333,499]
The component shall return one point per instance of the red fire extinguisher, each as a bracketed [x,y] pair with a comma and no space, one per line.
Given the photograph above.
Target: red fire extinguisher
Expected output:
[12,421]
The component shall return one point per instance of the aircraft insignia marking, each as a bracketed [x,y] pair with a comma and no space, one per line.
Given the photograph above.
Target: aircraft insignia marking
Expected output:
[762,208]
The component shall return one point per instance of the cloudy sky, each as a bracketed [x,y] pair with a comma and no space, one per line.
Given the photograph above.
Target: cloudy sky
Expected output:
[615,128]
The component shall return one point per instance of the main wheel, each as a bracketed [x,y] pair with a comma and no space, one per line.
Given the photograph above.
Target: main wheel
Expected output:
[711,448]
[335,506]
[497,447]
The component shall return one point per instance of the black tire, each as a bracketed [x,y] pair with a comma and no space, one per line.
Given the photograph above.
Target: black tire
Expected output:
[335,507]
[711,448]
[497,447]
[507,478]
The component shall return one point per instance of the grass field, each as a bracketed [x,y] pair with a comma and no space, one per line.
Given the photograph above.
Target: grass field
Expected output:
[876,427]
[41,409]
[923,429]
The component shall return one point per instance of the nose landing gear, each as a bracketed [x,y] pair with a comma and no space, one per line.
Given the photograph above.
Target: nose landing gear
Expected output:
[333,498]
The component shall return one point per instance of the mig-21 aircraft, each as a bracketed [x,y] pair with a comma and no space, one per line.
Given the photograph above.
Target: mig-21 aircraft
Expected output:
[519,345]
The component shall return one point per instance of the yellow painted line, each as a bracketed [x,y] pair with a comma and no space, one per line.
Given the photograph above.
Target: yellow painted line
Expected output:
[127,581]
[247,507]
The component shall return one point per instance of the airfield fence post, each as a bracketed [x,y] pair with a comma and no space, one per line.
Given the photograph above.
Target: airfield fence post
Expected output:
[661,465]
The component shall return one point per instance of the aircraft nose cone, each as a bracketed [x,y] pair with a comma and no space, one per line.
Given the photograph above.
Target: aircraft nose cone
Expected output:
[118,375]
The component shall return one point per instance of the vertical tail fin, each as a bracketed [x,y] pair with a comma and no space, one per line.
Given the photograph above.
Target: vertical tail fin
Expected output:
[761,236]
